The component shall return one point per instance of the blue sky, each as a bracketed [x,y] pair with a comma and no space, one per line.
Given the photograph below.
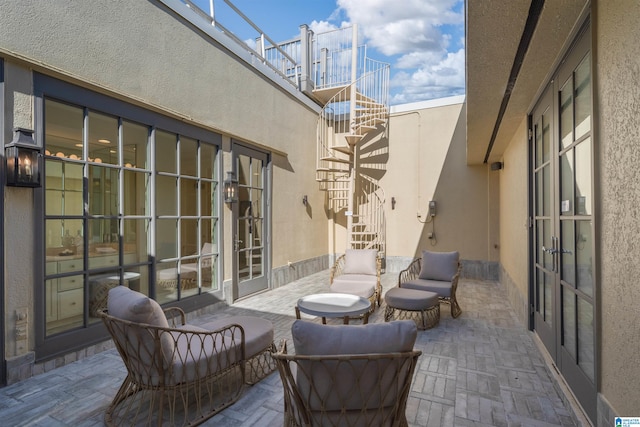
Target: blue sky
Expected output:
[423,40]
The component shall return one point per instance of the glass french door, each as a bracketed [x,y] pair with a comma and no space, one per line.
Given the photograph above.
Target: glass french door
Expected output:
[563,230]
[250,220]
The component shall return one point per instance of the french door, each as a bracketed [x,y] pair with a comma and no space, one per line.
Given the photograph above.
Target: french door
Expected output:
[250,222]
[563,227]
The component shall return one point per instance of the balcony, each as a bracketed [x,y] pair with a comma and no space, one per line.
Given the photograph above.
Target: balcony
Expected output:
[482,368]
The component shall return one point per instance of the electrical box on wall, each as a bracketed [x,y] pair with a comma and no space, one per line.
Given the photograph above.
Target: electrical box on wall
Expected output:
[432,208]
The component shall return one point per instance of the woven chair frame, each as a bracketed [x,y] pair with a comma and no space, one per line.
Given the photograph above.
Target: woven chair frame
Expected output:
[176,393]
[346,390]
[336,270]
[424,319]
[260,365]
[412,272]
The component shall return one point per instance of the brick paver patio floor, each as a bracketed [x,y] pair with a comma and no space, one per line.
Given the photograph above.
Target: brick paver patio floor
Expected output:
[481,369]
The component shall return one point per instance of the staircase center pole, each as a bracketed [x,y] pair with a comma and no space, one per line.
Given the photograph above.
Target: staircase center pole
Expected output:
[352,130]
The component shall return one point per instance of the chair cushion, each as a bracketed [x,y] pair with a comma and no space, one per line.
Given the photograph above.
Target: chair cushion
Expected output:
[410,299]
[439,265]
[442,288]
[314,339]
[135,307]
[360,261]
[361,286]
[258,332]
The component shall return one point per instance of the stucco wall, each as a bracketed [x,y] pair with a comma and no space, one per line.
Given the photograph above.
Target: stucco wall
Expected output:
[140,52]
[513,211]
[618,146]
[427,161]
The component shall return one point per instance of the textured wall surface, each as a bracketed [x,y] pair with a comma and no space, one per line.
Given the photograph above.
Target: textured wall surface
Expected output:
[618,98]
[513,211]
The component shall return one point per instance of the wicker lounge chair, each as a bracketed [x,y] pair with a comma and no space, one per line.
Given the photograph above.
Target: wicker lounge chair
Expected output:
[348,375]
[435,272]
[357,272]
[177,374]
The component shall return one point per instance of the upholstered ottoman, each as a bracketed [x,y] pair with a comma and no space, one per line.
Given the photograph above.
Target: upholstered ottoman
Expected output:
[258,339]
[423,307]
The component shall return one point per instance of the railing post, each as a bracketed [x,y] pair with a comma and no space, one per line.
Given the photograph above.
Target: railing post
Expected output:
[306,60]
[352,123]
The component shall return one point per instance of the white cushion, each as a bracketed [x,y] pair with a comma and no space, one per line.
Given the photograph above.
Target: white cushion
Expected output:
[360,261]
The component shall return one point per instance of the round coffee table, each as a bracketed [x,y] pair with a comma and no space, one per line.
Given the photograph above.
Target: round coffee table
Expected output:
[334,305]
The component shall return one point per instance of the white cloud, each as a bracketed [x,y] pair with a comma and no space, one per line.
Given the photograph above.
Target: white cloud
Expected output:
[414,35]
[321,26]
[434,80]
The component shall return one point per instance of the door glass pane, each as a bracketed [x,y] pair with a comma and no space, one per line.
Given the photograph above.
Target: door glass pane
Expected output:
[136,233]
[64,303]
[544,282]
[583,177]
[567,252]
[256,262]
[244,170]
[136,187]
[166,195]
[584,258]
[244,271]
[167,281]
[257,232]
[188,156]
[63,130]
[256,173]
[165,152]
[546,135]
[566,183]
[64,188]
[543,199]
[103,138]
[104,248]
[207,198]
[166,238]
[586,349]
[256,203]
[103,190]
[207,161]
[566,115]
[208,233]
[583,97]
[244,233]
[189,237]
[135,139]
[543,239]
[569,321]
[188,197]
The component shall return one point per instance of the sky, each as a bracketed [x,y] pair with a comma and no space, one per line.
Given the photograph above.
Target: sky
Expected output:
[423,40]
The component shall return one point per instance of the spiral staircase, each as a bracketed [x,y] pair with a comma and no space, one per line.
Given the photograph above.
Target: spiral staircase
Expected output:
[351,149]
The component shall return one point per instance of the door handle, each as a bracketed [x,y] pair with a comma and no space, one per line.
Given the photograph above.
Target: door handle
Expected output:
[550,251]
[236,244]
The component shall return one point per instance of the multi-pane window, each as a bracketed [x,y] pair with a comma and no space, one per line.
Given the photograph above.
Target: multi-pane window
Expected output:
[101,221]
[187,224]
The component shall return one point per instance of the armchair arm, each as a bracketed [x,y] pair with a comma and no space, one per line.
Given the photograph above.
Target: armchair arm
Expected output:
[172,314]
[411,272]
[336,270]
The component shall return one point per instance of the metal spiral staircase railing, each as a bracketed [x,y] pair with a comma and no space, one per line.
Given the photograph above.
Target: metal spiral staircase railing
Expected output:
[351,118]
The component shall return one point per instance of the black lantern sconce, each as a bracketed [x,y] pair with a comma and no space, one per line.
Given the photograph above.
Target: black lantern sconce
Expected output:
[230,188]
[24,160]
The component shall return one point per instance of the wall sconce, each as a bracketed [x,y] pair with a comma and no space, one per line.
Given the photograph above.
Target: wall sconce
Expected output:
[496,166]
[24,160]
[230,188]
[305,200]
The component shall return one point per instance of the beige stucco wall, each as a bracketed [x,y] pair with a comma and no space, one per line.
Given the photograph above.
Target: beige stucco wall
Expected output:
[514,211]
[140,52]
[427,161]
[618,147]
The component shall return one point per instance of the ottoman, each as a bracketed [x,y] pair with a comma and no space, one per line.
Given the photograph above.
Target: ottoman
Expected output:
[258,344]
[423,307]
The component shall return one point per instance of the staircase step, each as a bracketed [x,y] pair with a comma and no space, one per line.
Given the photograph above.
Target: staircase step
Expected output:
[343,149]
[335,159]
[332,170]
[353,139]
